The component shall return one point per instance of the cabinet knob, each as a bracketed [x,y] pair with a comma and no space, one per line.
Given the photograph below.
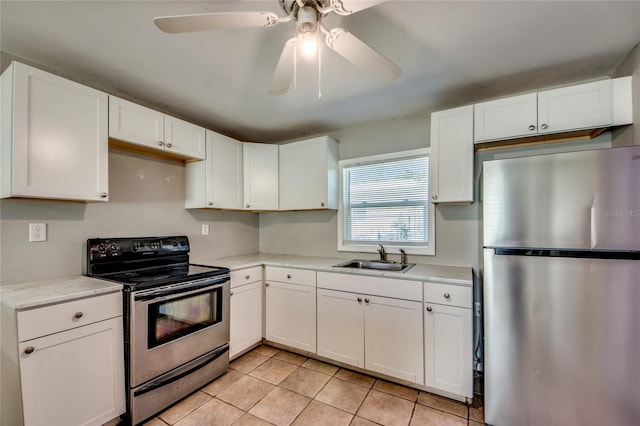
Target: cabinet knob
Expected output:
[359,299]
[366,300]
[544,126]
[248,206]
[160,143]
[246,277]
[532,127]
[78,315]
[29,350]
[289,276]
[429,309]
[266,284]
[447,296]
[210,203]
[103,195]
[230,293]
[322,204]
[169,145]
[434,197]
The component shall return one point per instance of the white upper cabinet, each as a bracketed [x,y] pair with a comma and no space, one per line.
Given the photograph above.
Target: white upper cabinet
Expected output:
[54,137]
[579,107]
[309,174]
[138,125]
[260,163]
[451,160]
[217,181]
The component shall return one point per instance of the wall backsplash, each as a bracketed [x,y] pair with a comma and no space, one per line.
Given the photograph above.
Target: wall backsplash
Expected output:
[146,198]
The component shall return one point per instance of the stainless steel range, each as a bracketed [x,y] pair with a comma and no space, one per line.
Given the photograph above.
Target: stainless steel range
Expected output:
[176,318]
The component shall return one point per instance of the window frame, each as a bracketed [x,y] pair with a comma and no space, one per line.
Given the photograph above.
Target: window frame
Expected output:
[428,249]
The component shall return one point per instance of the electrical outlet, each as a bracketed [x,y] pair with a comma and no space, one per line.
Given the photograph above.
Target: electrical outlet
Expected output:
[477,309]
[37,232]
[205,229]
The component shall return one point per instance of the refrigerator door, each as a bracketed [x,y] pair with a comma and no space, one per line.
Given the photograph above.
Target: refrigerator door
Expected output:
[562,341]
[578,200]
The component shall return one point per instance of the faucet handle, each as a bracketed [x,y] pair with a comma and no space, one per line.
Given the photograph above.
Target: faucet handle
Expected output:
[383,253]
[403,257]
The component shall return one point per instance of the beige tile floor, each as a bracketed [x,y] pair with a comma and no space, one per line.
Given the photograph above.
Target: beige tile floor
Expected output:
[268,386]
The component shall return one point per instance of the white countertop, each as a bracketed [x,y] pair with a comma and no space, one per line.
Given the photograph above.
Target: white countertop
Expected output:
[459,275]
[39,293]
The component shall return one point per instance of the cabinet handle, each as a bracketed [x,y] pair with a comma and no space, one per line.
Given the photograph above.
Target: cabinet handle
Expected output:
[169,145]
[29,350]
[366,300]
[246,277]
[103,195]
[78,315]
[322,204]
[434,197]
[288,276]
[160,143]
[447,296]
[266,284]
[543,126]
[532,127]
[429,309]
[359,299]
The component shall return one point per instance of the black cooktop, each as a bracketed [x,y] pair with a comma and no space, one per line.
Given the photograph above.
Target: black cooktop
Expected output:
[146,262]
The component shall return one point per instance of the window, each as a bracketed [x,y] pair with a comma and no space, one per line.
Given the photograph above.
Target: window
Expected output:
[385,200]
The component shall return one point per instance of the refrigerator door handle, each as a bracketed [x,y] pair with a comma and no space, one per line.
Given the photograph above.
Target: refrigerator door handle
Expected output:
[593,225]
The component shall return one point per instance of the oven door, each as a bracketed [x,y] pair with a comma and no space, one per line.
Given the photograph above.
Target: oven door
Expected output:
[173,325]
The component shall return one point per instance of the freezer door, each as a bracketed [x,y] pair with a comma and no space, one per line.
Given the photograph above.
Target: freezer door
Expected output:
[578,200]
[562,341]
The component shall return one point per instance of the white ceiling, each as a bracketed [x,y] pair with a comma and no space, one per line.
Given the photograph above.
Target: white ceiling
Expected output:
[451,53]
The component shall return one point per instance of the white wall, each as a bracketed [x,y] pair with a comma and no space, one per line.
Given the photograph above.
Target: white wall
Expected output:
[146,199]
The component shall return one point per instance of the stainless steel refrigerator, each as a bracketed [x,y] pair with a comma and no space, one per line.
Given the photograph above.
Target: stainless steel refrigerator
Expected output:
[562,289]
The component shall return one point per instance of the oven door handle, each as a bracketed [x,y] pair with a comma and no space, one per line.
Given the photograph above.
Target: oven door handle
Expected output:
[185,370]
[197,285]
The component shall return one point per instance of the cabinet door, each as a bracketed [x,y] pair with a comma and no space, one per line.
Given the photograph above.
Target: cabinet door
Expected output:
[60,138]
[341,327]
[224,177]
[451,160]
[75,377]
[291,315]
[393,338]
[184,138]
[577,107]
[246,317]
[448,349]
[506,118]
[135,124]
[260,169]
[308,174]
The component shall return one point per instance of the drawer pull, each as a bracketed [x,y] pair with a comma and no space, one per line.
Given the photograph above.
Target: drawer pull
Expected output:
[29,350]
[447,296]
[230,293]
[366,300]
[266,284]
[429,309]
[246,277]
[289,276]
[78,315]
[359,299]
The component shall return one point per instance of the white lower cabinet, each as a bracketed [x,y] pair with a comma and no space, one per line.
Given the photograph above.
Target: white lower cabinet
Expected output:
[376,333]
[246,310]
[448,337]
[291,307]
[66,362]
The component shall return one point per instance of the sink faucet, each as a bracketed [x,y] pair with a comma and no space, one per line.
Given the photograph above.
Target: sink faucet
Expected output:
[383,253]
[403,257]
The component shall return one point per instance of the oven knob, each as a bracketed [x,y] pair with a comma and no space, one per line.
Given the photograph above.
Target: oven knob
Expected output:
[183,243]
[114,247]
[174,243]
[102,247]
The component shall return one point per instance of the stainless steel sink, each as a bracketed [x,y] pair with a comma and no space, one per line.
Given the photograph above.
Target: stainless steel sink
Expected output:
[375,265]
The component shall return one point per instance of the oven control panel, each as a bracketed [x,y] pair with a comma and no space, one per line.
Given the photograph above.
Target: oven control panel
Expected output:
[136,248]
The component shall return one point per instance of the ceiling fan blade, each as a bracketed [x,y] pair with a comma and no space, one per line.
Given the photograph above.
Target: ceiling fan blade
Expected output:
[360,54]
[283,74]
[347,7]
[215,21]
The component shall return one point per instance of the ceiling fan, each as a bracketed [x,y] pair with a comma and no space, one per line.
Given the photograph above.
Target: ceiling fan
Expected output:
[307,15]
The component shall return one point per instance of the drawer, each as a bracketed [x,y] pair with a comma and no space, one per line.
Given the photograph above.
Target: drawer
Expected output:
[447,294]
[51,319]
[246,276]
[375,286]
[290,275]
